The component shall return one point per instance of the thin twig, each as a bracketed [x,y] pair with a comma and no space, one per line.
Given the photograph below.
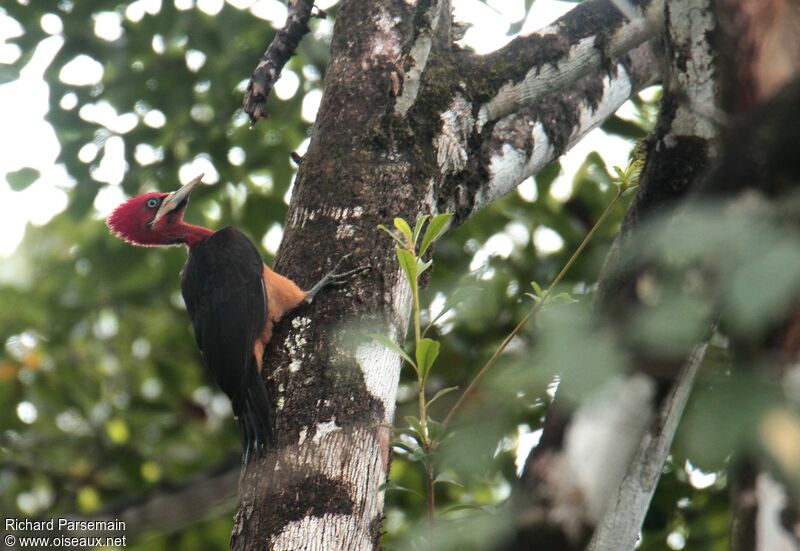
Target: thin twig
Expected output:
[272,62]
[474,383]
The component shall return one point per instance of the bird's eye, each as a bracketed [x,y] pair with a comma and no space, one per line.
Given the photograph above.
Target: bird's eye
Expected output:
[152,203]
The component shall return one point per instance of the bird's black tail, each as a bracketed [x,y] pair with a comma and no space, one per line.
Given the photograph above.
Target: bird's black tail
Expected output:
[255,418]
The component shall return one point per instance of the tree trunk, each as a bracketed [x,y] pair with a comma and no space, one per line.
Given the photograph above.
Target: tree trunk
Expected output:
[408,125]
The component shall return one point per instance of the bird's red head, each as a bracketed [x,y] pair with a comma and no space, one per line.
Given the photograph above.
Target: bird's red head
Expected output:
[156,219]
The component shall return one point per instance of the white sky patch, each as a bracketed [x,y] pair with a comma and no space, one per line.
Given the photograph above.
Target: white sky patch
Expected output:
[82,70]
[547,240]
[27,412]
[112,167]
[241,4]
[287,85]
[108,25]
[311,105]
[488,24]
[195,59]
[676,540]
[491,21]
[210,7]
[303,147]
[51,24]
[528,190]
[699,478]
[287,197]
[68,101]
[145,154]
[137,10]
[103,113]
[24,103]
[518,232]
[270,10]
[272,239]
[9,28]
[236,156]
[628,111]
[200,165]
[155,119]
[500,244]
[88,152]
[544,12]
[613,149]
[9,53]
[183,5]
[158,44]
[107,199]
[37,205]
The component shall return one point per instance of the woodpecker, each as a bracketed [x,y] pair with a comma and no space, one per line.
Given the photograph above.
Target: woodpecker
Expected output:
[233,299]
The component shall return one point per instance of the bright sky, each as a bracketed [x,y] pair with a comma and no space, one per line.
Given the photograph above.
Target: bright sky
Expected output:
[29,141]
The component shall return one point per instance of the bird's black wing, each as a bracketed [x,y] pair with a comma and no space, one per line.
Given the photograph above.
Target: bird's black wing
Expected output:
[222,286]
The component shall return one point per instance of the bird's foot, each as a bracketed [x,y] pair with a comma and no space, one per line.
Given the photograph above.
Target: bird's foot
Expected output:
[334,278]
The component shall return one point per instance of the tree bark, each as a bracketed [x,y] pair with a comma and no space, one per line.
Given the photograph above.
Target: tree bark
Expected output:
[610,451]
[408,125]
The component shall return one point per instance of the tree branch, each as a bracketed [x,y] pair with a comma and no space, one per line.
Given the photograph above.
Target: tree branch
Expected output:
[577,44]
[522,144]
[678,155]
[622,523]
[281,48]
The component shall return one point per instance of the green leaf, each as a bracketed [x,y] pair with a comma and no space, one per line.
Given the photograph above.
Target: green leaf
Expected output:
[389,485]
[409,264]
[392,235]
[446,478]
[422,266]
[534,297]
[393,346]
[418,227]
[466,506]
[427,351]
[415,449]
[536,289]
[442,392]
[22,178]
[403,446]
[415,425]
[8,73]
[436,227]
[405,229]
[436,430]
[564,298]
[417,455]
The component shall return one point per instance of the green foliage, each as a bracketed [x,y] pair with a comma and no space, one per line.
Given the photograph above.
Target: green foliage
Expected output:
[94,340]
[22,178]
[97,341]
[422,432]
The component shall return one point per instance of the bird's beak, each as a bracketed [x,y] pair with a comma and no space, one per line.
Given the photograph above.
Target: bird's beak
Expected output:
[175,200]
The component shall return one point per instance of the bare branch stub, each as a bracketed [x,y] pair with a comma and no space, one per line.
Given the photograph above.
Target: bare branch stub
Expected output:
[269,68]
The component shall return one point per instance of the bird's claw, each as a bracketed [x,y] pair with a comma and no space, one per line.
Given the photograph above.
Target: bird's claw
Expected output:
[335,278]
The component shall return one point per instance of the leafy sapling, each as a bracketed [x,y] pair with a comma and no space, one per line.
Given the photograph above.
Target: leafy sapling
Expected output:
[422,431]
